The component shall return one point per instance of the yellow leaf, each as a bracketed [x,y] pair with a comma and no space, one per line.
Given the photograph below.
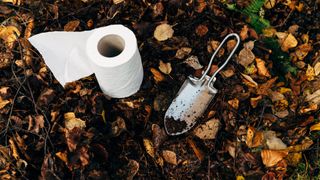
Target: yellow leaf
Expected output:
[14,149]
[170,157]
[71,25]
[269,32]
[3,103]
[14,2]
[247,80]
[71,121]
[149,147]
[165,67]
[272,157]
[157,76]
[9,34]
[306,143]
[240,178]
[163,32]
[303,50]
[289,42]
[254,101]
[315,127]
[262,70]
[310,73]
[62,156]
[293,159]
[117,1]
[270,4]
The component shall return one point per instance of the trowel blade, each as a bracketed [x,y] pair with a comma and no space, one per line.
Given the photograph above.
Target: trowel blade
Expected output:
[190,103]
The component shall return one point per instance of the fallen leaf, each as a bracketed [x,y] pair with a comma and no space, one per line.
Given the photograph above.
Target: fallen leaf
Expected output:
[230,45]
[289,42]
[193,62]
[195,149]
[303,50]
[165,67]
[163,32]
[275,96]
[251,69]
[245,57]
[247,80]
[249,45]
[244,33]
[9,34]
[71,25]
[201,30]
[227,73]
[208,130]
[234,103]
[149,147]
[315,127]
[282,114]
[157,9]
[3,103]
[270,4]
[272,141]
[269,32]
[39,123]
[262,70]
[14,2]
[133,168]
[311,107]
[314,98]
[255,100]
[170,157]
[317,69]
[118,126]
[157,76]
[201,6]
[294,159]
[71,121]
[213,46]
[117,1]
[265,87]
[272,157]
[14,149]
[310,73]
[63,156]
[305,144]
[183,52]
[158,135]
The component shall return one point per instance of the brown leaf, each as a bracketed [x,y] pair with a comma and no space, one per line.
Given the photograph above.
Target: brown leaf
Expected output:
[157,76]
[73,137]
[270,4]
[183,52]
[317,68]
[71,121]
[310,73]
[117,1]
[165,67]
[133,168]
[39,123]
[288,42]
[255,100]
[208,130]
[254,138]
[14,149]
[63,156]
[46,97]
[201,30]
[303,50]
[245,57]
[149,147]
[263,88]
[272,157]
[118,126]
[195,149]
[163,32]
[234,103]
[247,80]
[84,156]
[71,25]
[244,33]
[158,135]
[193,62]
[158,9]
[201,6]
[305,144]
[262,70]
[3,103]
[294,159]
[231,45]
[170,157]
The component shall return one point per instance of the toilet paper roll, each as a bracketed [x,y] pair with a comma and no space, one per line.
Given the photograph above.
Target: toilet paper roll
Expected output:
[110,52]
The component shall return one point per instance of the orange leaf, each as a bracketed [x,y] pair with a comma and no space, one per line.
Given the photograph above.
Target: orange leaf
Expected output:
[71,26]
[272,157]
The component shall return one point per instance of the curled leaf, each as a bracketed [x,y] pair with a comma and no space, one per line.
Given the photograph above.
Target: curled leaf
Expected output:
[272,157]
[247,80]
[149,147]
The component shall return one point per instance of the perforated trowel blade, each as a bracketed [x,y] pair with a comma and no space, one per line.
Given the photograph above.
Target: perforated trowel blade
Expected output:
[192,100]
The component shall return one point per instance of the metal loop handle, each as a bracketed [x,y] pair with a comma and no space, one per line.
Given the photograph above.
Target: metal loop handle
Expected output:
[225,63]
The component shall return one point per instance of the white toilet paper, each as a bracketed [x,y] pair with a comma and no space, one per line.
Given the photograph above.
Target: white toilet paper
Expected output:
[110,52]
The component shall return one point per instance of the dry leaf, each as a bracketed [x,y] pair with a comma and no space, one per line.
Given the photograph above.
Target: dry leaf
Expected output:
[254,138]
[208,130]
[193,62]
[311,107]
[306,143]
[269,32]
[289,42]
[195,149]
[265,87]
[149,147]
[3,103]
[132,168]
[270,4]
[170,157]
[14,149]
[247,80]
[71,25]
[201,6]
[262,70]
[71,121]
[310,73]
[201,30]
[234,103]
[272,141]
[118,126]
[254,101]
[183,52]
[117,1]
[14,2]
[158,135]
[251,69]
[62,156]
[245,57]
[9,34]
[157,76]
[282,114]
[314,98]
[244,33]
[165,67]
[272,157]
[275,95]
[315,127]
[163,32]
[303,50]
[227,73]
[230,45]
[317,69]
[294,159]
[39,123]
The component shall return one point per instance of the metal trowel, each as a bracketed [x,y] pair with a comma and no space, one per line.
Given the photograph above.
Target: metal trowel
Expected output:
[194,97]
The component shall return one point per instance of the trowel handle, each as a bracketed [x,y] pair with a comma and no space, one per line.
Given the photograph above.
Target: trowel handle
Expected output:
[212,78]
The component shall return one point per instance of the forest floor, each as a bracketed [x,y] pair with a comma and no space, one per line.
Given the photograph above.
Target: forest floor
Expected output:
[264,123]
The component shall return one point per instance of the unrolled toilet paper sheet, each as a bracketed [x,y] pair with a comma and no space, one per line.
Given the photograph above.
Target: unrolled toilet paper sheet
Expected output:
[110,52]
